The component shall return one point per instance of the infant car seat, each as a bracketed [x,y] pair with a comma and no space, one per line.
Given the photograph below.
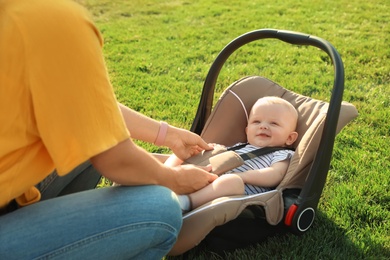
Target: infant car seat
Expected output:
[292,205]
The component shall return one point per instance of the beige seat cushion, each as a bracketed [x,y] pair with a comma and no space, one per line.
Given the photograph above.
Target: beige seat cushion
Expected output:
[227,122]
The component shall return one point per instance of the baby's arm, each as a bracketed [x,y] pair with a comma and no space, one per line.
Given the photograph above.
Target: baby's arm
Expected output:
[267,177]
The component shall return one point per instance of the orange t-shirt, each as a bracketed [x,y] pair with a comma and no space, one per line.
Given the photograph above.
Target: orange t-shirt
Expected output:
[57,106]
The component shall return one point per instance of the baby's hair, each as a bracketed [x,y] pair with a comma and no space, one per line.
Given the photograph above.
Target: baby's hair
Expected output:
[280,101]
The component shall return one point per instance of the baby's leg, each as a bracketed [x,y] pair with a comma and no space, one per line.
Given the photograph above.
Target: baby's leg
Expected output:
[173,160]
[225,185]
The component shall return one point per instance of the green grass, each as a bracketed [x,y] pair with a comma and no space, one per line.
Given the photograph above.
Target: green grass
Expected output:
[159,51]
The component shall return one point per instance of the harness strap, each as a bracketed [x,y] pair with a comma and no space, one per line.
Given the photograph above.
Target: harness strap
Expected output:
[258,152]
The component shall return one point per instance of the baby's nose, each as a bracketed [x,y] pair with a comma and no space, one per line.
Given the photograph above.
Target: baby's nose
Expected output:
[263,126]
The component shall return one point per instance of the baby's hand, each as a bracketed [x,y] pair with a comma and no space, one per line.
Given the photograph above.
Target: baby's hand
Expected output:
[214,145]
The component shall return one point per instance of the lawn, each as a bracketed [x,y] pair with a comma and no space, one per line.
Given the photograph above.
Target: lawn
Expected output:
[158,53]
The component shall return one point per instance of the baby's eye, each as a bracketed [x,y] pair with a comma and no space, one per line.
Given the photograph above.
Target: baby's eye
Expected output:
[275,123]
[256,122]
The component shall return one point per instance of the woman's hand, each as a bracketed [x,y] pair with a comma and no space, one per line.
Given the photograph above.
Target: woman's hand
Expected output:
[184,143]
[190,178]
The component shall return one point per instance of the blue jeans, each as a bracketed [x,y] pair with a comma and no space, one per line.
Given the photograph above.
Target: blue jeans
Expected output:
[139,222]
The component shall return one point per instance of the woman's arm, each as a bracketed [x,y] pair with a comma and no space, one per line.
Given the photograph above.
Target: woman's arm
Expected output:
[140,126]
[182,142]
[128,164]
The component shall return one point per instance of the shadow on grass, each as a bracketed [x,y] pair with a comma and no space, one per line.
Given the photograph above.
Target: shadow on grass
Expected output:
[324,240]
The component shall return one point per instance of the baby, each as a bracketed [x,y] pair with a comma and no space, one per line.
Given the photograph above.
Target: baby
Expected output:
[272,122]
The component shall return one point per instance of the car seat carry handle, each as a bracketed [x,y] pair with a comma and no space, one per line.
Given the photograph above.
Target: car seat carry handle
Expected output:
[206,101]
[315,182]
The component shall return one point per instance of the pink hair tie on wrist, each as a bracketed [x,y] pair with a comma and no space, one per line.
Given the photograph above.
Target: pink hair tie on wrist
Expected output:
[162,133]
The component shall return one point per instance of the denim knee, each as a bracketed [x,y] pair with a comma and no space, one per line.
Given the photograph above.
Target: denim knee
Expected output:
[153,203]
[142,221]
[165,204]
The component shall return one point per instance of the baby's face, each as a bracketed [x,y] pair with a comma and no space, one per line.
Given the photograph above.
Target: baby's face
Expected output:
[271,125]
